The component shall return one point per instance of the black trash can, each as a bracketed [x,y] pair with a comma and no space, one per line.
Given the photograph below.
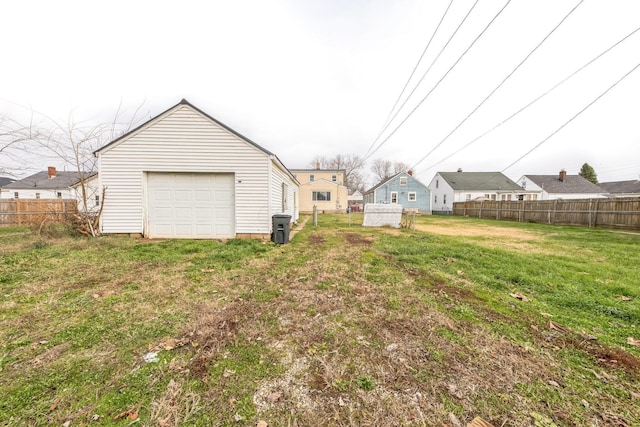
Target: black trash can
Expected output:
[281,227]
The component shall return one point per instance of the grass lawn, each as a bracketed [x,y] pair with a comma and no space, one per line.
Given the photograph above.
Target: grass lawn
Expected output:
[519,324]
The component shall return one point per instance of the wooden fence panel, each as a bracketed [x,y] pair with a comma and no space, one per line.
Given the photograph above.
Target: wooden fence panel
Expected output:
[17,212]
[611,212]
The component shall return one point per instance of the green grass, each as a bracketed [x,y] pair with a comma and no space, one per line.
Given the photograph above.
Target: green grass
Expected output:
[343,325]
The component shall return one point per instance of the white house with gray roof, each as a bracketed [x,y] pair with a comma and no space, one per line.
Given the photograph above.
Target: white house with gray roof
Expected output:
[450,187]
[561,186]
[622,188]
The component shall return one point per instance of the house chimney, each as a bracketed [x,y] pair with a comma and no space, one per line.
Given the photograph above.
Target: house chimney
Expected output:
[318,165]
[459,169]
[52,172]
[563,175]
[410,172]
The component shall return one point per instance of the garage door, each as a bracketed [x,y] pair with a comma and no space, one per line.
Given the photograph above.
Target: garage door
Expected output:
[190,205]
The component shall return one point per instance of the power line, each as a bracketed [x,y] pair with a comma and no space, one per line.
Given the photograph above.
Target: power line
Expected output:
[535,100]
[572,118]
[388,120]
[439,81]
[501,83]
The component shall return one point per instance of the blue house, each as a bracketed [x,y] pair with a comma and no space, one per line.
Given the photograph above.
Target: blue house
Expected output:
[402,189]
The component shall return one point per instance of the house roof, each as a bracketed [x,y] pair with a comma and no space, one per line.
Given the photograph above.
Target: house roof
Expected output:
[573,184]
[621,187]
[4,181]
[322,181]
[318,170]
[41,180]
[219,123]
[479,181]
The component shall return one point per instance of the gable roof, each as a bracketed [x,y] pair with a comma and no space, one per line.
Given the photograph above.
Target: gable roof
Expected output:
[573,184]
[621,187]
[322,181]
[479,181]
[5,180]
[384,181]
[41,180]
[219,123]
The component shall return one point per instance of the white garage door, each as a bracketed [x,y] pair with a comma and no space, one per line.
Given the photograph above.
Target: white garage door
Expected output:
[190,205]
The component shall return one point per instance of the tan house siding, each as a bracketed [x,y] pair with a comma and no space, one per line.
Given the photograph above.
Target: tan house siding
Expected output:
[338,202]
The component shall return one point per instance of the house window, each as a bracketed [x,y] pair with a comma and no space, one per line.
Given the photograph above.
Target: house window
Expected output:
[444,199]
[403,180]
[97,200]
[468,197]
[535,197]
[508,196]
[59,195]
[435,199]
[411,196]
[312,178]
[15,195]
[437,182]
[321,196]
[334,178]
[394,197]
[37,195]
[493,197]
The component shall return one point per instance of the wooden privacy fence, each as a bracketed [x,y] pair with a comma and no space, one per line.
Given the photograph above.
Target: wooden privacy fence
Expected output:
[16,212]
[611,212]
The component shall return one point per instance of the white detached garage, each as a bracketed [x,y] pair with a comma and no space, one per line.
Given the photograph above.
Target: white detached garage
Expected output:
[184,174]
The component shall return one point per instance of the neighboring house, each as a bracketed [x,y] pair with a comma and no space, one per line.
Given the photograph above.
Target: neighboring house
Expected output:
[92,193]
[355,201]
[49,184]
[402,189]
[561,186]
[450,187]
[183,174]
[622,188]
[323,188]
[4,181]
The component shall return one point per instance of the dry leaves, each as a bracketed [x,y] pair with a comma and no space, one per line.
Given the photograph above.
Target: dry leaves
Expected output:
[623,298]
[519,296]
[558,327]
[633,341]
[479,422]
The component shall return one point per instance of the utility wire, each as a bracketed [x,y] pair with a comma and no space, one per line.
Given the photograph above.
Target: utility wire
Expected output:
[439,81]
[388,119]
[572,118]
[534,100]
[499,85]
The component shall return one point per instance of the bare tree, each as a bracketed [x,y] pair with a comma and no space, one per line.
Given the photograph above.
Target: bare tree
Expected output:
[352,165]
[72,143]
[14,140]
[384,169]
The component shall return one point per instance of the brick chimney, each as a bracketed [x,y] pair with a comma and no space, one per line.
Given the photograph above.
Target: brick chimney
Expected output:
[410,172]
[459,169]
[318,165]
[563,175]
[51,172]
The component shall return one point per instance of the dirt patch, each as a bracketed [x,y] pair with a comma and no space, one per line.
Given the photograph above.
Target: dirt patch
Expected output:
[356,239]
[316,239]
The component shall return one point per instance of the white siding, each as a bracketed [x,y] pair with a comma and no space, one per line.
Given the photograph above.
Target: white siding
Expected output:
[182,140]
[278,177]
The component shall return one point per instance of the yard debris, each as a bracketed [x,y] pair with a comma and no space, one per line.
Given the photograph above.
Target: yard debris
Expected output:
[455,422]
[238,417]
[228,372]
[624,298]
[274,397]
[391,347]
[262,423]
[132,414]
[169,343]
[479,422]
[547,315]
[66,423]
[54,405]
[558,327]
[633,341]
[588,337]
[585,403]
[519,296]
[553,383]
[207,270]
[151,357]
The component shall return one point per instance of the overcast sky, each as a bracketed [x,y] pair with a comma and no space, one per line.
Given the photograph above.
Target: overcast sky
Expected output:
[307,78]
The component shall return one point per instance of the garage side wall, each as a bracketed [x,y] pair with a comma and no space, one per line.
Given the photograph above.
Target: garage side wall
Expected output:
[278,178]
[182,140]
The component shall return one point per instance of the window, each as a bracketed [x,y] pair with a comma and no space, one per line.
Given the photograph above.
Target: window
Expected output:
[15,195]
[334,178]
[444,199]
[312,178]
[486,196]
[411,196]
[493,197]
[403,180]
[37,195]
[435,199]
[508,196]
[97,200]
[468,197]
[394,197]
[535,197]
[321,196]
[437,182]
[59,195]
